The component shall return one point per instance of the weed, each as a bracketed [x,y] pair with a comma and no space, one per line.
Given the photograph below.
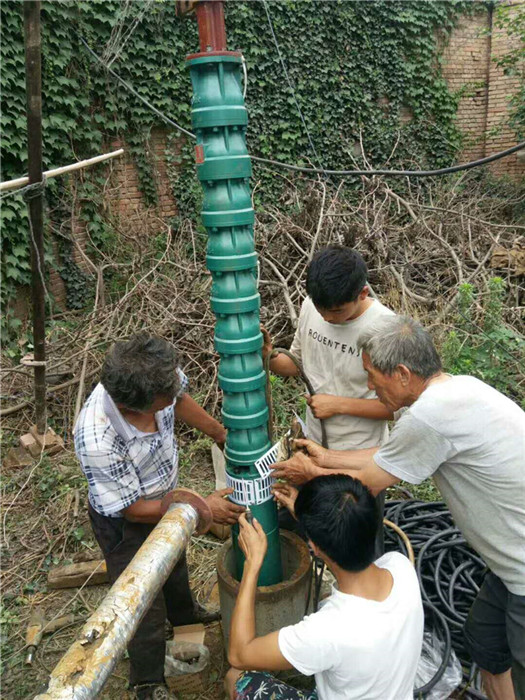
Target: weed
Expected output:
[288,397]
[486,348]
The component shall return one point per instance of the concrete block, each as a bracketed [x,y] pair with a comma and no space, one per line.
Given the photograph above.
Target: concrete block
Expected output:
[30,445]
[51,442]
[16,458]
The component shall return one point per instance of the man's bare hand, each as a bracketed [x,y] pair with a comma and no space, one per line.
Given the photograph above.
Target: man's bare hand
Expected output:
[324,405]
[253,542]
[285,494]
[297,470]
[224,511]
[317,453]
[267,342]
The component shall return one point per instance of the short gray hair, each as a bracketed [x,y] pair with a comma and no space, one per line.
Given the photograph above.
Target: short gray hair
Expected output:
[138,370]
[400,340]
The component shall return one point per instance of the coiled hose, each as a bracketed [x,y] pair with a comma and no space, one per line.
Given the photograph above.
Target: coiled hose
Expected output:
[450,574]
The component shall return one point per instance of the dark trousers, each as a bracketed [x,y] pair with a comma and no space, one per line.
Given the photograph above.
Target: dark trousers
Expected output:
[495,631]
[288,522]
[119,540]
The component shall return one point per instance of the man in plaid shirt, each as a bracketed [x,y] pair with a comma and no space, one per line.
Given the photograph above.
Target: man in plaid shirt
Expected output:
[124,439]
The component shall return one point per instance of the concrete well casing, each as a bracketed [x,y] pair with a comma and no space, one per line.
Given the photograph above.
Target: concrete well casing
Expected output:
[278,605]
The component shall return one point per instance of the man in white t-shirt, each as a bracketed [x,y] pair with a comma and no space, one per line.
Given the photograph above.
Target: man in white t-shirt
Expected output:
[364,642]
[471,439]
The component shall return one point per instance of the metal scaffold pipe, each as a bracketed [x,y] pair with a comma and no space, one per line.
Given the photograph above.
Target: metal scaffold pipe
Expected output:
[86,666]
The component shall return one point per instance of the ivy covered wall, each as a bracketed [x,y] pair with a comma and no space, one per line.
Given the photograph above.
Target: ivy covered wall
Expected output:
[362,70]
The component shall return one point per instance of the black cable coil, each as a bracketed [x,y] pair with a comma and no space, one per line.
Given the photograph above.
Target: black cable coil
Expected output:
[450,574]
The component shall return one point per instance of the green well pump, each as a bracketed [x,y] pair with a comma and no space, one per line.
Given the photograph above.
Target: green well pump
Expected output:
[219,120]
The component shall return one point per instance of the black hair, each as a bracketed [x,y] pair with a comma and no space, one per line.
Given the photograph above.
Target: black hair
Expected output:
[340,516]
[335,276]
[138,370]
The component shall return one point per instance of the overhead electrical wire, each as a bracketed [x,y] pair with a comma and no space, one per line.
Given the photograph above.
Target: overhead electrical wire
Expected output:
[396,173]
[137,95]
[288,80]
[316,171]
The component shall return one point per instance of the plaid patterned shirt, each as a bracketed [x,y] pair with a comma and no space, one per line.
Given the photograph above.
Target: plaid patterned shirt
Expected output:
[121,463]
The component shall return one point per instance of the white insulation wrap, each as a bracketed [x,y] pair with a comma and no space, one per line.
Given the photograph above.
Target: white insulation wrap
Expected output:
[86,666]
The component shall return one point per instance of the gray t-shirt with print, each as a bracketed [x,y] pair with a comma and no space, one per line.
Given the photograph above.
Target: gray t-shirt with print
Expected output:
[333,364]
[471,439]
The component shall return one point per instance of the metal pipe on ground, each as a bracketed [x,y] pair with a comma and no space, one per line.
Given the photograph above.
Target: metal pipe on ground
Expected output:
[87,665]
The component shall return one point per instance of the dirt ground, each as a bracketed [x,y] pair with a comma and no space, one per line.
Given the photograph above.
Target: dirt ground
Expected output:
[40,531]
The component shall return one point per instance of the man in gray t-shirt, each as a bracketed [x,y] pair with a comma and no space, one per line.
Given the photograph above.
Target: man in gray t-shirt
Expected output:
[471,439]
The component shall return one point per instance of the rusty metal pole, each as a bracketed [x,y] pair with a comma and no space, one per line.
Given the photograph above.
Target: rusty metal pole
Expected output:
[211,25]
[87,665]
[35,202]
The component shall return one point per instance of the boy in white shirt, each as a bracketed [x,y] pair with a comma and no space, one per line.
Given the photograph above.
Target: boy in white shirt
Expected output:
[364,642]
[337,310]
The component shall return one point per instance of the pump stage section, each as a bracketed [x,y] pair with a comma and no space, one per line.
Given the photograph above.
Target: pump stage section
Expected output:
[219,120]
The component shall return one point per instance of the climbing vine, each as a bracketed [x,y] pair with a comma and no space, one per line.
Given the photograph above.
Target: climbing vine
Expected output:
[511,19]
[365,74]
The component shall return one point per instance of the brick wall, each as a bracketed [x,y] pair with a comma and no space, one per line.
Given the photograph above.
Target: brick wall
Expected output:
[126,200]
[500,136]
[483,108]
[468,69]
[465,69]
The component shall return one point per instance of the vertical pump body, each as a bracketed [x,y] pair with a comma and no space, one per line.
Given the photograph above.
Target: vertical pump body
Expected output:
[219,120]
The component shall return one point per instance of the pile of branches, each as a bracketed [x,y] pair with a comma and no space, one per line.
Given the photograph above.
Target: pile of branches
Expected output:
[421,242]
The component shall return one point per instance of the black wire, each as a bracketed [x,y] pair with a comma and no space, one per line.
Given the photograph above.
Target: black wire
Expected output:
[134,92]
[315,171]
[449,574]
[446,654]
[396,173]
[318,565]
[307,382]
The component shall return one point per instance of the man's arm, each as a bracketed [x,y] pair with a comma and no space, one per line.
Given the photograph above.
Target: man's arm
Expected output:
[246,651]
[321,462]
[143,511]
[223,510]
[283,366]
[326,405]
[189,411]
[375,478]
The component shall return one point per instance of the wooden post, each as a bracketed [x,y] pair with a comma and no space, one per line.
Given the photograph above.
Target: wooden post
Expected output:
[35,201]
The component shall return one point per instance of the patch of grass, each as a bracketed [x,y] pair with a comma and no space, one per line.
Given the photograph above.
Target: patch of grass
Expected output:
[288,397]
[58,478]
[426,491]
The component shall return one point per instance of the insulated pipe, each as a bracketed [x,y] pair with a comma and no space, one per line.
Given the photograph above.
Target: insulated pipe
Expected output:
[86,666]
